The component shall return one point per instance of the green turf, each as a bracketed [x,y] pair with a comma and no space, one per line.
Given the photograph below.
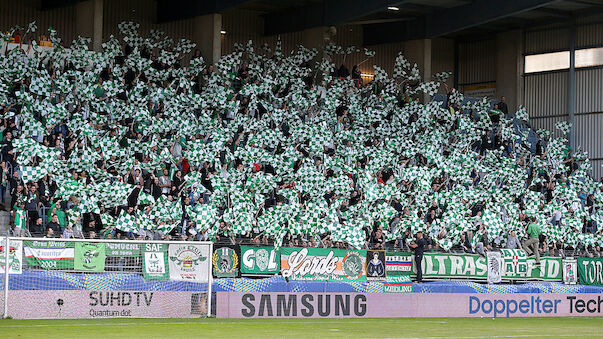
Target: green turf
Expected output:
[306,328]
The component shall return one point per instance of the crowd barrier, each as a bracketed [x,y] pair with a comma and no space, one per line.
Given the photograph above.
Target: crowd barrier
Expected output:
[51,278]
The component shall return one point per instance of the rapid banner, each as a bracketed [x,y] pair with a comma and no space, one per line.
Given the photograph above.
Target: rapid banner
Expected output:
[89,256]
[323,264]
[515,262]
[189,262]
[590,271]
[226,260]
[50,255]
[15,256]
[404,305]
[398,263]
[473,266]
[123,249]
[155,262]
[375,265]
[260,260]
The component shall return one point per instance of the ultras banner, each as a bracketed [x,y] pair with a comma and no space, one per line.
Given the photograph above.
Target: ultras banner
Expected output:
[404,305]
[590,271]
[50,255]
[473,266]
[260,260]
[323,264]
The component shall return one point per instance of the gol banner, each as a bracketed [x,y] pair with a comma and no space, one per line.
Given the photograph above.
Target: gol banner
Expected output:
[260,260]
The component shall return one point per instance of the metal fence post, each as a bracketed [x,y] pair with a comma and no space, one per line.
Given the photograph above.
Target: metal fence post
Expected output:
[6,271]
[211,280]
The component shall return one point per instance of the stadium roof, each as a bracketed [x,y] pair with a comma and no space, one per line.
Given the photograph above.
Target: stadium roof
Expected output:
[386,21]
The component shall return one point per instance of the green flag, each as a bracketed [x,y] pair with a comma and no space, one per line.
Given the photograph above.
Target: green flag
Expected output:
[89,256]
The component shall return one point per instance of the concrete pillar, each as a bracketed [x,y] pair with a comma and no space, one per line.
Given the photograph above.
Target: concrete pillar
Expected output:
[419,52]
[207,36]
[89,21]
[509,68]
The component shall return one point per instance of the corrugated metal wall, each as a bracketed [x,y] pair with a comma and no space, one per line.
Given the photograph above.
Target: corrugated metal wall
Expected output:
[23,12]
[477,62]
[589,90]
[546,40]
[546,94]
[144,13]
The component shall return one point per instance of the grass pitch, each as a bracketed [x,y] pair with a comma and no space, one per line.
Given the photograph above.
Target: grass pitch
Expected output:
[306,328]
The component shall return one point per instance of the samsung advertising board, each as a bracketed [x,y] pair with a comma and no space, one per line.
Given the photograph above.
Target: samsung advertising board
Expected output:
[401,305]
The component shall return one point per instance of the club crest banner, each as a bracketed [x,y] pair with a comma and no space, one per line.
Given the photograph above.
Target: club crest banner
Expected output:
[189,262]
[155,262]
[226,260]
[89,256]
[323,264]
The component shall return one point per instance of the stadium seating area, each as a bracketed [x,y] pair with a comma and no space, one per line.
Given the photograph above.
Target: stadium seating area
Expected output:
[266,147]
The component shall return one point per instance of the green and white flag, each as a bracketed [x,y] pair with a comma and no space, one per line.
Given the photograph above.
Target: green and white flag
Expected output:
[89,256]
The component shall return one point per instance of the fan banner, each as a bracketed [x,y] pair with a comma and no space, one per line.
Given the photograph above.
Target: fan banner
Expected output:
[323,264]
[189,262]
[15,259]
[494,267]
[260,260]
[590,271]
[398,263]
[89,256]
[375,266]
[155,262]
[50,255]
[475,267]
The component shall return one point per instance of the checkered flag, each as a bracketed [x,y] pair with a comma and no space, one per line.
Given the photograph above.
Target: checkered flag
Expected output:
[125,222]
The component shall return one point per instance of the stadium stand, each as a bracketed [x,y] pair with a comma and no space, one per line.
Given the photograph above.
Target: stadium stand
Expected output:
[267,148]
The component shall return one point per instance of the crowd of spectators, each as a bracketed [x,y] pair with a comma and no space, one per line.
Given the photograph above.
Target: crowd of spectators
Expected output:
[245,152]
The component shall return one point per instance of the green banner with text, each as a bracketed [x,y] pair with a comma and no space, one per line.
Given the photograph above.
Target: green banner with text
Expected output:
[475,267]
[323,264]
[260,260]
[590,271]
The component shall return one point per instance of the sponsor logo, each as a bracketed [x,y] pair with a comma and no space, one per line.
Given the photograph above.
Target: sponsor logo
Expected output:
[580,305]
[499,307]
[304,305]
